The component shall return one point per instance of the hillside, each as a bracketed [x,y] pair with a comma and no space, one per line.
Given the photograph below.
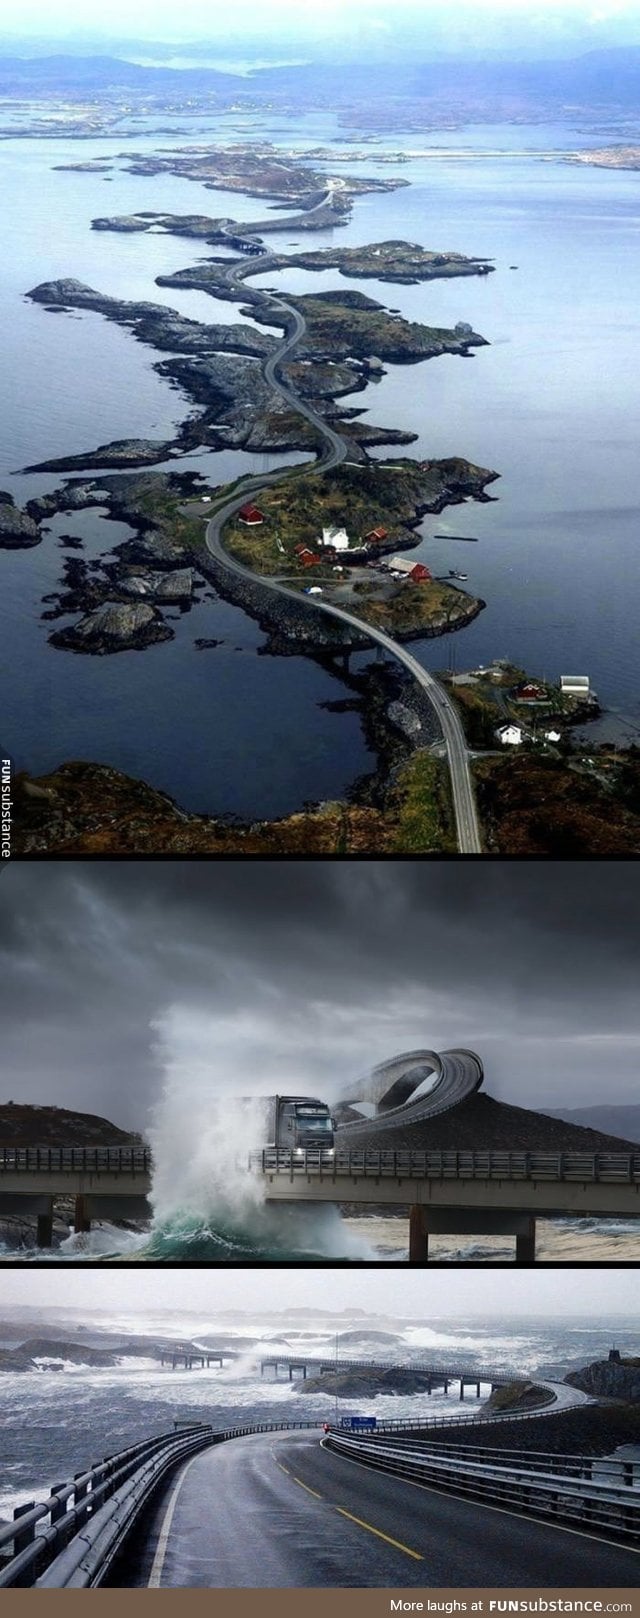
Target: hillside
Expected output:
[482,1124]
[25,1125]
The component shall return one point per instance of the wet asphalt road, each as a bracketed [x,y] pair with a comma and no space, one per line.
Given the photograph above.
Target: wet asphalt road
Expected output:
[277,1510]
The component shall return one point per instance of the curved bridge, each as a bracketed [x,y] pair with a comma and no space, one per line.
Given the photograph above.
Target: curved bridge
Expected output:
[392,1088]
[312,1516]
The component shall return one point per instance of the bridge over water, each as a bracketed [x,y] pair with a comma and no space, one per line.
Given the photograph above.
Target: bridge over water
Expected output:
[481,1193]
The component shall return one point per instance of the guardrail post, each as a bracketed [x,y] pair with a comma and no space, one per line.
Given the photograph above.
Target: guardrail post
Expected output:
[59,1508]
[28,1535]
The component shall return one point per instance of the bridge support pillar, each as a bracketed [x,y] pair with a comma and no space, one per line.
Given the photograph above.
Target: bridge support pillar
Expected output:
[526,1244]
[462,1388]
[44,1229]
[426,1221]
[418,1235]
[81,1216]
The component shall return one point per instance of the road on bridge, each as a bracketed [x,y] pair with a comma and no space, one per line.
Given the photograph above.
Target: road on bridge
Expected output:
[464,804]
[275,1511]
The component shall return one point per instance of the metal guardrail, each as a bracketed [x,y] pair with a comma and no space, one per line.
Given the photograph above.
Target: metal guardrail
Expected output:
[70,1159]
[620,1470]
[597,1504]
[70,1539]
[604,1167]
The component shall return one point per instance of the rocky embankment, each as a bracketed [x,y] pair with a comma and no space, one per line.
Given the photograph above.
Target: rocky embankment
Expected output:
[613,1378]
[517,1396]
[587,1430]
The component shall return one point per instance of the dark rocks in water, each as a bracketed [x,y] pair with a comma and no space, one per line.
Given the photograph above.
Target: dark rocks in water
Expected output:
[122,452]
[18,530]
[114,627]
[176,586]
[152,546]
[373,1380]
[204,645]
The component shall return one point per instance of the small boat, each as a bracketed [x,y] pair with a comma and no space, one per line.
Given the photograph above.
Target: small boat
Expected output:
[455,574]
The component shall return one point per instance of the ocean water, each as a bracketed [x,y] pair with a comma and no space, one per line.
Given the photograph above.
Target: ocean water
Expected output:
[55,1423]
[295,1234]
[550,405]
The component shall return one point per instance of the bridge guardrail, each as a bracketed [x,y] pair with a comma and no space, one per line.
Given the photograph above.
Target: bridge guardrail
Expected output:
[71,1538]
[609,1167]
[611,1508]
[92,1159]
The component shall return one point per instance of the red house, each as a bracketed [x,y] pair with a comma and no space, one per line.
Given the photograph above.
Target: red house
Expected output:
[376,536]
[420,574]
[250,516]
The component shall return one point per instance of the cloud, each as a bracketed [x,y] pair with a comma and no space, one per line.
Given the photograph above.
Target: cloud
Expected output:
[306,972]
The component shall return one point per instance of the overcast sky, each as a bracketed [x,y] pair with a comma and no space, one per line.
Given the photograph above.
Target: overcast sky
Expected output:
[436,24]
[402,1293]
[120,979]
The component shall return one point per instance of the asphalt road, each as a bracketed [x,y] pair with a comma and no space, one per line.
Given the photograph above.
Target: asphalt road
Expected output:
[465,812]
[276,1511]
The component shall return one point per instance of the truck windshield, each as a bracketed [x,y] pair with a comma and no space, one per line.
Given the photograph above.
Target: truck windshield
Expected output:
[318,1119]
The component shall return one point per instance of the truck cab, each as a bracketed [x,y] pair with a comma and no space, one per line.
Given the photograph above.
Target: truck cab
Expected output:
[303,1124]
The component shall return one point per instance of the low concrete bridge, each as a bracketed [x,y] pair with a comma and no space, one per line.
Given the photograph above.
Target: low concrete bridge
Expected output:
[298,1369]
[190,1354]
[461,1193]
[105,1182]
[446,1193]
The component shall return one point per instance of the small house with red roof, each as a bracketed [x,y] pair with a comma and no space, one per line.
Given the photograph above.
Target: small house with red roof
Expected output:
[376,536]
[420,574]
[250,516]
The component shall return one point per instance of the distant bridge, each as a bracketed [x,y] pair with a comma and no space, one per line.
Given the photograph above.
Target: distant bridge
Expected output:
[299,1367]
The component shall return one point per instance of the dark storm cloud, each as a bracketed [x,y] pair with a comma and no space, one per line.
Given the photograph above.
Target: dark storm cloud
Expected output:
[315,970]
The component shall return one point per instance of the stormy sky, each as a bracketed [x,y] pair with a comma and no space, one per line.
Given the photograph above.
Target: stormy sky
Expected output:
[120,981]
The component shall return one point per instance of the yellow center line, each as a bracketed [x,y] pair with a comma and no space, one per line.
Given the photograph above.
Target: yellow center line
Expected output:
[378,1532]
[282,1468]
[306,1486]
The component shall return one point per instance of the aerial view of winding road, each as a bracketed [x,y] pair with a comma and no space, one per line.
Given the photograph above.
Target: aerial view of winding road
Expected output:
[281,1510]
[464,805]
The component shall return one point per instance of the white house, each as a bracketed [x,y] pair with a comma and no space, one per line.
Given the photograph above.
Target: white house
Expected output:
[510,735]
[336,538]
[553,736]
